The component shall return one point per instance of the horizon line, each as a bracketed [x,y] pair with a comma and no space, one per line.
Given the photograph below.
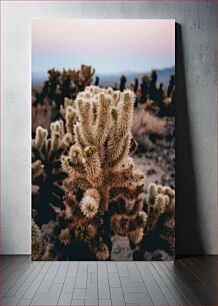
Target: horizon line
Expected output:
[107,73]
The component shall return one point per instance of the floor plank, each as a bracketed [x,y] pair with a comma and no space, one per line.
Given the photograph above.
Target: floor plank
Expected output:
[48,298]
[65,299]
[20,281]
[201,288]
[151,284]
[171,270]
[49,277]
[210,261]
[164,287]
[14,300]
[208,272]
[188,281]
[117,296]
[169,280]
[103,281]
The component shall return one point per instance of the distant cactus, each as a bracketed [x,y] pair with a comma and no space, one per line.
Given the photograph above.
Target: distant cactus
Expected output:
[62,84]
[144,89]
[171,85]
[47,102]
[159,236]
[153,95]
[83,77]
[47,174]
[136,84]
[161,94]
[122,83]
[97,81]
[167,107]
[103,186]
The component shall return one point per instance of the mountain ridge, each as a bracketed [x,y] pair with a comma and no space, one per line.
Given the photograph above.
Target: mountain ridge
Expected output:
[108,79]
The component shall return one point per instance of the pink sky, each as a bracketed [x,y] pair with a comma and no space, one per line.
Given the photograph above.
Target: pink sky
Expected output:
[108,45]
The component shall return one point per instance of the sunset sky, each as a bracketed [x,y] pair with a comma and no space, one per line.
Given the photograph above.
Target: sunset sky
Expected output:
[110,46]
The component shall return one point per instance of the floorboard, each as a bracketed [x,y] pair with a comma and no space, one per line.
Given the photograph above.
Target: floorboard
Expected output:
[187,281]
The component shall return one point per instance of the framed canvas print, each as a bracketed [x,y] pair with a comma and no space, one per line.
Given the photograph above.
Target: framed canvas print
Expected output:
[103,139]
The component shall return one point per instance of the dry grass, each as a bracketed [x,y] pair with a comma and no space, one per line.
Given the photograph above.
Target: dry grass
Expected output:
[145,123]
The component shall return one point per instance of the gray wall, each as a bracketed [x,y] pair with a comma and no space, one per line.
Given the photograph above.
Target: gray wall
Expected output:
[196,113]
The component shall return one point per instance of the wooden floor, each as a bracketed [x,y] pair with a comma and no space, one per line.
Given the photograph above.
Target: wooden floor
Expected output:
[188,281]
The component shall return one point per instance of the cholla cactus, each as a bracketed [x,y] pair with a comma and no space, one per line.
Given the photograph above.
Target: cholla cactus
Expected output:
[37,242]
[159,234]
[46,171]
[83,77]
[47,103]
[69,116]
[103,186]
[62,84]
[63,108]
